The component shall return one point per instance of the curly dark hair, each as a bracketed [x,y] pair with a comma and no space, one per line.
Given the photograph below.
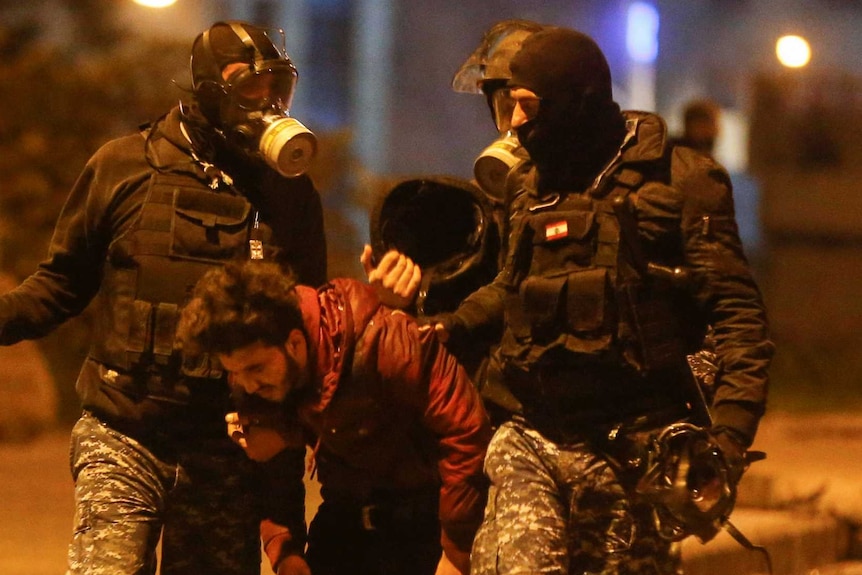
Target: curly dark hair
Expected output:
[238,305]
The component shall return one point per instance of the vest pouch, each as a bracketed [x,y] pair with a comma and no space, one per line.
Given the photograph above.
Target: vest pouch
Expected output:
[542,301]
[590,317]
[656,327]
[209,226]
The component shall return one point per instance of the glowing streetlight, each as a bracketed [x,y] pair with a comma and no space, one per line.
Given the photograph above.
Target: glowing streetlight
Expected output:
[793,51]
[155,3]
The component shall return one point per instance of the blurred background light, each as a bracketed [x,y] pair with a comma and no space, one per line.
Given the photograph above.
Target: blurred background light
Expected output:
[155,3]
[793,51]
[642,32]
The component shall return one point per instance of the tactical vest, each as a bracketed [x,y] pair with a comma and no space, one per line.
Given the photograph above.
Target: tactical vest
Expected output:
[584,291]
[182,230]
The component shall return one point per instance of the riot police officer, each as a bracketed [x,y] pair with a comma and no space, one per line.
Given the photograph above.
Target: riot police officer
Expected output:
[622,252]
[219,177]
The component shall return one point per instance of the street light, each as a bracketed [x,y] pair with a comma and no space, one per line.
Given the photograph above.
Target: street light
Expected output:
[155,3]
[793,51]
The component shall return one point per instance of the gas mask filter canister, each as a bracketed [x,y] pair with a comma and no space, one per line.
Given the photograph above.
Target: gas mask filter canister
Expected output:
[493,164]
[256,114]
[287,146]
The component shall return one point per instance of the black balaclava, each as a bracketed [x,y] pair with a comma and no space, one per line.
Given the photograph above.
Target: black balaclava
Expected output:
[578,127]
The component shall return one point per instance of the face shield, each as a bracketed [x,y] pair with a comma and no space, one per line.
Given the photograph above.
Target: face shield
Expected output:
[486,72]
[490,60]
[268,88]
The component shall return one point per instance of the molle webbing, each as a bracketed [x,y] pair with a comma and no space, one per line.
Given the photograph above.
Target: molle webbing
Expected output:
[182,231]
[593,303]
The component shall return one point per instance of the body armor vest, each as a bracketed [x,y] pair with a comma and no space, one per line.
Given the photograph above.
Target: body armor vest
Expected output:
[584,291]
[181,231]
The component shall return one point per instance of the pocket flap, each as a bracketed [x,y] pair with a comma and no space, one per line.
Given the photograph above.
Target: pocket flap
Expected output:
[212,210]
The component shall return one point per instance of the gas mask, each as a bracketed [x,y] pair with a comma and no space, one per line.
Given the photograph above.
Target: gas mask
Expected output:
[255,117]
[486,71]
[243,84]
[492,165]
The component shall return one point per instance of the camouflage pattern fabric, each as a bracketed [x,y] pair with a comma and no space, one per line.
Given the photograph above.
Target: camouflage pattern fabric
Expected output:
[125,493]
[562,509]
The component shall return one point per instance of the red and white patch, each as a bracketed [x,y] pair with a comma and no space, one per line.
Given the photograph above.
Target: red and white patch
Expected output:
[556,230]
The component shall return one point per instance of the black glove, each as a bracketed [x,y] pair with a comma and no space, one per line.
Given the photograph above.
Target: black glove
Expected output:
[734,452]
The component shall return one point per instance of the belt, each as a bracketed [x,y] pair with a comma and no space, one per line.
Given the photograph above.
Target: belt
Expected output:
[376,515]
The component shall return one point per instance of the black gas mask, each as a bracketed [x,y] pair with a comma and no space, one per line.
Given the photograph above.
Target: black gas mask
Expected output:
[243,84]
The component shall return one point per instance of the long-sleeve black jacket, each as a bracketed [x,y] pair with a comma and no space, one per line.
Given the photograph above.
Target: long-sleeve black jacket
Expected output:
[687,222]
[104,209]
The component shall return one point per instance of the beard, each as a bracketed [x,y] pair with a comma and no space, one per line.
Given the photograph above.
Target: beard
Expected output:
[296,379]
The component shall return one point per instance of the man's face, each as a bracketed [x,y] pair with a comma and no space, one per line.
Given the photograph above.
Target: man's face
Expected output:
[270,372]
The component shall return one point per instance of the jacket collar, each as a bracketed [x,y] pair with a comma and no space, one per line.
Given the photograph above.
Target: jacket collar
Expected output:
[645,140]
[170,149]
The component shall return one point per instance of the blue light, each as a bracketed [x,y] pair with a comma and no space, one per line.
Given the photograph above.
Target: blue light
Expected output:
[642,32]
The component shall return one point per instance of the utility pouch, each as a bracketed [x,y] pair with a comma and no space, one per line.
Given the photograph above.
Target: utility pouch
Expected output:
[560,239]
[209,226]
[542,300]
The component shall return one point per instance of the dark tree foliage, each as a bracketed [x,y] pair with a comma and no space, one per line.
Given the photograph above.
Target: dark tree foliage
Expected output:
[60,101]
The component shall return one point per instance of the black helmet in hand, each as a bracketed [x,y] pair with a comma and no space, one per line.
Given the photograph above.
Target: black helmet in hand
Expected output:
[444,225]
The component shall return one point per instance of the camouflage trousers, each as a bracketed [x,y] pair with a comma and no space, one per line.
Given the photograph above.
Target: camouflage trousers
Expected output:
[562,509]
[198,499]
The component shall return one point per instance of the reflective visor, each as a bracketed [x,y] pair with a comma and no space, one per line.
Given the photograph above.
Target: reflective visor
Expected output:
[266,88]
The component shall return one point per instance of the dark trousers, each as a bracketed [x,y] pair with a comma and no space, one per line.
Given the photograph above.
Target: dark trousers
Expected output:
[395,538]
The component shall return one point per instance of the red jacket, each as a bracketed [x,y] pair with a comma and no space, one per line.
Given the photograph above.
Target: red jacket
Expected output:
[391,410]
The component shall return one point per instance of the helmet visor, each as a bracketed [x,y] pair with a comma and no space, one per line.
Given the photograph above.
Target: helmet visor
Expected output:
[270,87]
[503,105]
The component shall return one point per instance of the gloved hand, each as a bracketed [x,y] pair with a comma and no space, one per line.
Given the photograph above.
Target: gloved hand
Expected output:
[734,452]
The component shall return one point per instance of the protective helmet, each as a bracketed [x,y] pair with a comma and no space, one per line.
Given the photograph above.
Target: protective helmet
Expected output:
[687,482]
[490,60]
[557,62]
[267,83]
[443,224]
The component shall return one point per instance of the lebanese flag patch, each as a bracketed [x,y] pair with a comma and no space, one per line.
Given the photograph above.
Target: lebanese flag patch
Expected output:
[556,230]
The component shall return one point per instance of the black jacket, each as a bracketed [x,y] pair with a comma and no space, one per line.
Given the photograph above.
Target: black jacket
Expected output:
[687,221]
[103,210]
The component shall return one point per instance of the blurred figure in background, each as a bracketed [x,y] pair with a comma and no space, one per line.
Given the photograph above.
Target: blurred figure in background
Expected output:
[701,126]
